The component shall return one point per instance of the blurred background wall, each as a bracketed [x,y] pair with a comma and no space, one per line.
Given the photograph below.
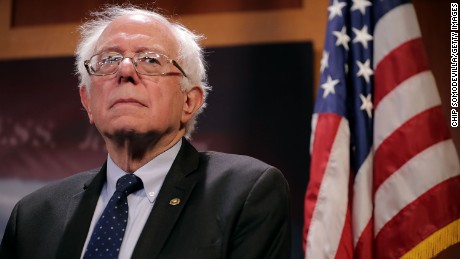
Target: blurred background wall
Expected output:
[48,28]
[256,108]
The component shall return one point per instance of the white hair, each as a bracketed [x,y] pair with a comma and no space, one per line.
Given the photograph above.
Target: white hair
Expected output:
[190,52]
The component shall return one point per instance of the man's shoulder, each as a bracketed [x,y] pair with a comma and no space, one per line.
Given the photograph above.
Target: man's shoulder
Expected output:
[237,168]
[77,180]
[234,177]
[215,158]
[63,188]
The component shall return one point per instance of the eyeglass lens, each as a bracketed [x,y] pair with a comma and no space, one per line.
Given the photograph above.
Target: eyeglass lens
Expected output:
[145,63]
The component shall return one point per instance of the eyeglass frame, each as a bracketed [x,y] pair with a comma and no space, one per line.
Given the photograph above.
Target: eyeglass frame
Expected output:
[134,62]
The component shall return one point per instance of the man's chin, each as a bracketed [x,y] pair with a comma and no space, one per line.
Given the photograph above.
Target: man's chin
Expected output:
[128,133]
[122,134]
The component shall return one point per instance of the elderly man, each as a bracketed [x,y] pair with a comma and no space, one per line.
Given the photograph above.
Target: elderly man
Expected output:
[143,83]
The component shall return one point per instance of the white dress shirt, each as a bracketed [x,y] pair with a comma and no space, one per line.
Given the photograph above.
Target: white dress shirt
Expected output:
[141,202]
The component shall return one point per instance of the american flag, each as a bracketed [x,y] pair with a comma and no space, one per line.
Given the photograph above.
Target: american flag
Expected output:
[385,175]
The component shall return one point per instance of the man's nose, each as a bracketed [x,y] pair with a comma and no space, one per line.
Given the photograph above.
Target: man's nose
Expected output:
[127,71]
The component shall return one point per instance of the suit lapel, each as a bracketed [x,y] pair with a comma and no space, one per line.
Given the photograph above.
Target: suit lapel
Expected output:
[79,216]
[171,200]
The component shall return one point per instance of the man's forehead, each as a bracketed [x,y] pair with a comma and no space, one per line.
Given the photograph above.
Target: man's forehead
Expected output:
[138,27]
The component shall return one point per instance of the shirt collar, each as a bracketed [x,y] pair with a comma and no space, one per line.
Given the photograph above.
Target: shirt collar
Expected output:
[152,174]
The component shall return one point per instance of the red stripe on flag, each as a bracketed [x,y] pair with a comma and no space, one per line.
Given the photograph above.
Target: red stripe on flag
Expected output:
[400,64]
[417,134]
[345,248]
[364,247]
[430,212]
[323,141]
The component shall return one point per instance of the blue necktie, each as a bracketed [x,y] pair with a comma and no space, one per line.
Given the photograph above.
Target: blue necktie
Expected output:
[110,228]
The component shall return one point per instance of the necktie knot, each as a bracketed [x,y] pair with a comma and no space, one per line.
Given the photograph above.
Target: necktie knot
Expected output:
[129,183]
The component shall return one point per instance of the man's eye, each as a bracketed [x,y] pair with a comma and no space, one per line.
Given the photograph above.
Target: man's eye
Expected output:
[149,60]
[110,59]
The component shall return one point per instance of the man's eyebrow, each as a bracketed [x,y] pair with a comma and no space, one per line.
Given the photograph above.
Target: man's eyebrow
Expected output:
[151,49]
[110,49]
[141,49]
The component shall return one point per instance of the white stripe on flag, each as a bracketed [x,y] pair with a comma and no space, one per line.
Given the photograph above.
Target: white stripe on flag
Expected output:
[421,173]
[314,121]
[362,198]
[411,97]
[390,36]
[331,206]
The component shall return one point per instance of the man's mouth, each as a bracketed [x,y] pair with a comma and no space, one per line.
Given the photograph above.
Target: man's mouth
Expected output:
[128,101]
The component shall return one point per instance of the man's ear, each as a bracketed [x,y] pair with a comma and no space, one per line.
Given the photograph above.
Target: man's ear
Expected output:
[85,101]
[193,100]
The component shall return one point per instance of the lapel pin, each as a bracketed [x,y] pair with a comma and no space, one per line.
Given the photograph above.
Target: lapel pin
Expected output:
[174,201]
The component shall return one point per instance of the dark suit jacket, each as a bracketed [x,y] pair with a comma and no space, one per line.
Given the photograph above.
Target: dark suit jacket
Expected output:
[230,207]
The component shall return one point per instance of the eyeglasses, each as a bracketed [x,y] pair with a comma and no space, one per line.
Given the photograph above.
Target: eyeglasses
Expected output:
[145,63]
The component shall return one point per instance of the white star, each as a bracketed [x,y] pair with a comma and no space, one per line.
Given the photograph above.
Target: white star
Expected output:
[364,70]
[367,104]
[360,5]
[362,36]
[336,9]
[329,86]
[324,60]
[342,37]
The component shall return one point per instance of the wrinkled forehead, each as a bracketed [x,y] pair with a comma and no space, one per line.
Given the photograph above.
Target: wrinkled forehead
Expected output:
[136,33]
